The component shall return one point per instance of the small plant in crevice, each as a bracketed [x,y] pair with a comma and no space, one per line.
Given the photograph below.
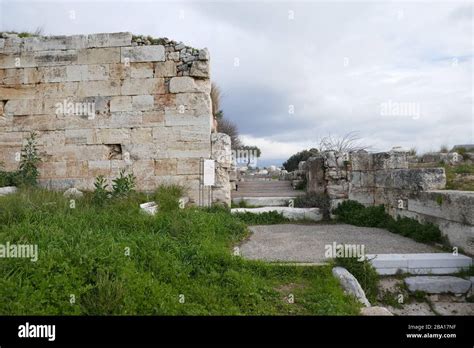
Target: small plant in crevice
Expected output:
[123,185]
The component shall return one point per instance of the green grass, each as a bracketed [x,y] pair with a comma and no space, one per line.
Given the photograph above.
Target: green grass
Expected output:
[84,252]
[454,177]
[354,213]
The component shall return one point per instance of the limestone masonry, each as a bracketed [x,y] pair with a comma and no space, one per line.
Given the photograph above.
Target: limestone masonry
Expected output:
[385,178]
[100,103]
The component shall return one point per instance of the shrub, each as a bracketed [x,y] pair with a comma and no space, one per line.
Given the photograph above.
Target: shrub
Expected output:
[28,171]
[364,272]
[100,193]
[267,218]
[123,185]
[413,229]
[302,184]
[354,213]
[292,163]
[316,200]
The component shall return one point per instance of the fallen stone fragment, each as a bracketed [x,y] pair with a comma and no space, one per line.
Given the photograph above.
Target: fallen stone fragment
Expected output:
[350,284]
[7,190]
[438,284]
[149,208]
[73,193]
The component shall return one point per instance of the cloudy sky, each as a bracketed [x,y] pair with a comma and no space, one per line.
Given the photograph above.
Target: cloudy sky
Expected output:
[398,73]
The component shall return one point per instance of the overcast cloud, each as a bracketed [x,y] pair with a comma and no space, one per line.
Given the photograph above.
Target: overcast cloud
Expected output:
[341,66]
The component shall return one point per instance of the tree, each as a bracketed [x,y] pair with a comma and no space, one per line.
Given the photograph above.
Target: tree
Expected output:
[250,152]
[292,163]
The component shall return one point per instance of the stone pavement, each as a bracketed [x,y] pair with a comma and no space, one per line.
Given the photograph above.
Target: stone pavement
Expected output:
[306,243]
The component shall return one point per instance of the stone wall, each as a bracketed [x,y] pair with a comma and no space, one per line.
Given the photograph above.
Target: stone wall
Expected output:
[384,178]
[101,103]
[222,154]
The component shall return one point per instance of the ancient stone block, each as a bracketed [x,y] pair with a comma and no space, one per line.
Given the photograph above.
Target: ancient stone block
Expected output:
[53,74]
[143,86]
[113,136]
[199,69]
[166,166]
[23,107]
[97,168]
[80,136]
[18,92]
[109,40]
[52,58]
[121,103]
[141,135]
[98,88]
[143,54]
[142,70]
[187,84]
[389,160]
[21,76]
[165,69]
[188,166]
[99,56]
[142,102]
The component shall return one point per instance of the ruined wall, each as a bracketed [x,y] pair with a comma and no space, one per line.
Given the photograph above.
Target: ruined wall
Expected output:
[222,154]
[100,103]
[384,178]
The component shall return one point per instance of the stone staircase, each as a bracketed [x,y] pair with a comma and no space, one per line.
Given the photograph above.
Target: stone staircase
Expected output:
[426,263]
[271,195]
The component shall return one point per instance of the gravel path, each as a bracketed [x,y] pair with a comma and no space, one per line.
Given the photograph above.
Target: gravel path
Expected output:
[306,243]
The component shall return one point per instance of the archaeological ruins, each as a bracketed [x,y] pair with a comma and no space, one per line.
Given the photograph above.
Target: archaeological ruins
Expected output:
[101,103]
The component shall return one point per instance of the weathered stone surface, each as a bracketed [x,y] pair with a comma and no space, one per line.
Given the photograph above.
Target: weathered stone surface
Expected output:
[315,175]
[73,193]
[143,54]
[376,310]
[142,70]
[165,69]
[438,284]
[188,84]
[350,285]
[199,69]
[149,208]
[134,122]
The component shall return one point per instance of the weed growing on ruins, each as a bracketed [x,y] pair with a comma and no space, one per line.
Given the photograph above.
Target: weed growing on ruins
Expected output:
[123,185]
[266,218]
[314,200]
[100,192]
[115,260]
[27,173]
[364,272]
[354,213]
